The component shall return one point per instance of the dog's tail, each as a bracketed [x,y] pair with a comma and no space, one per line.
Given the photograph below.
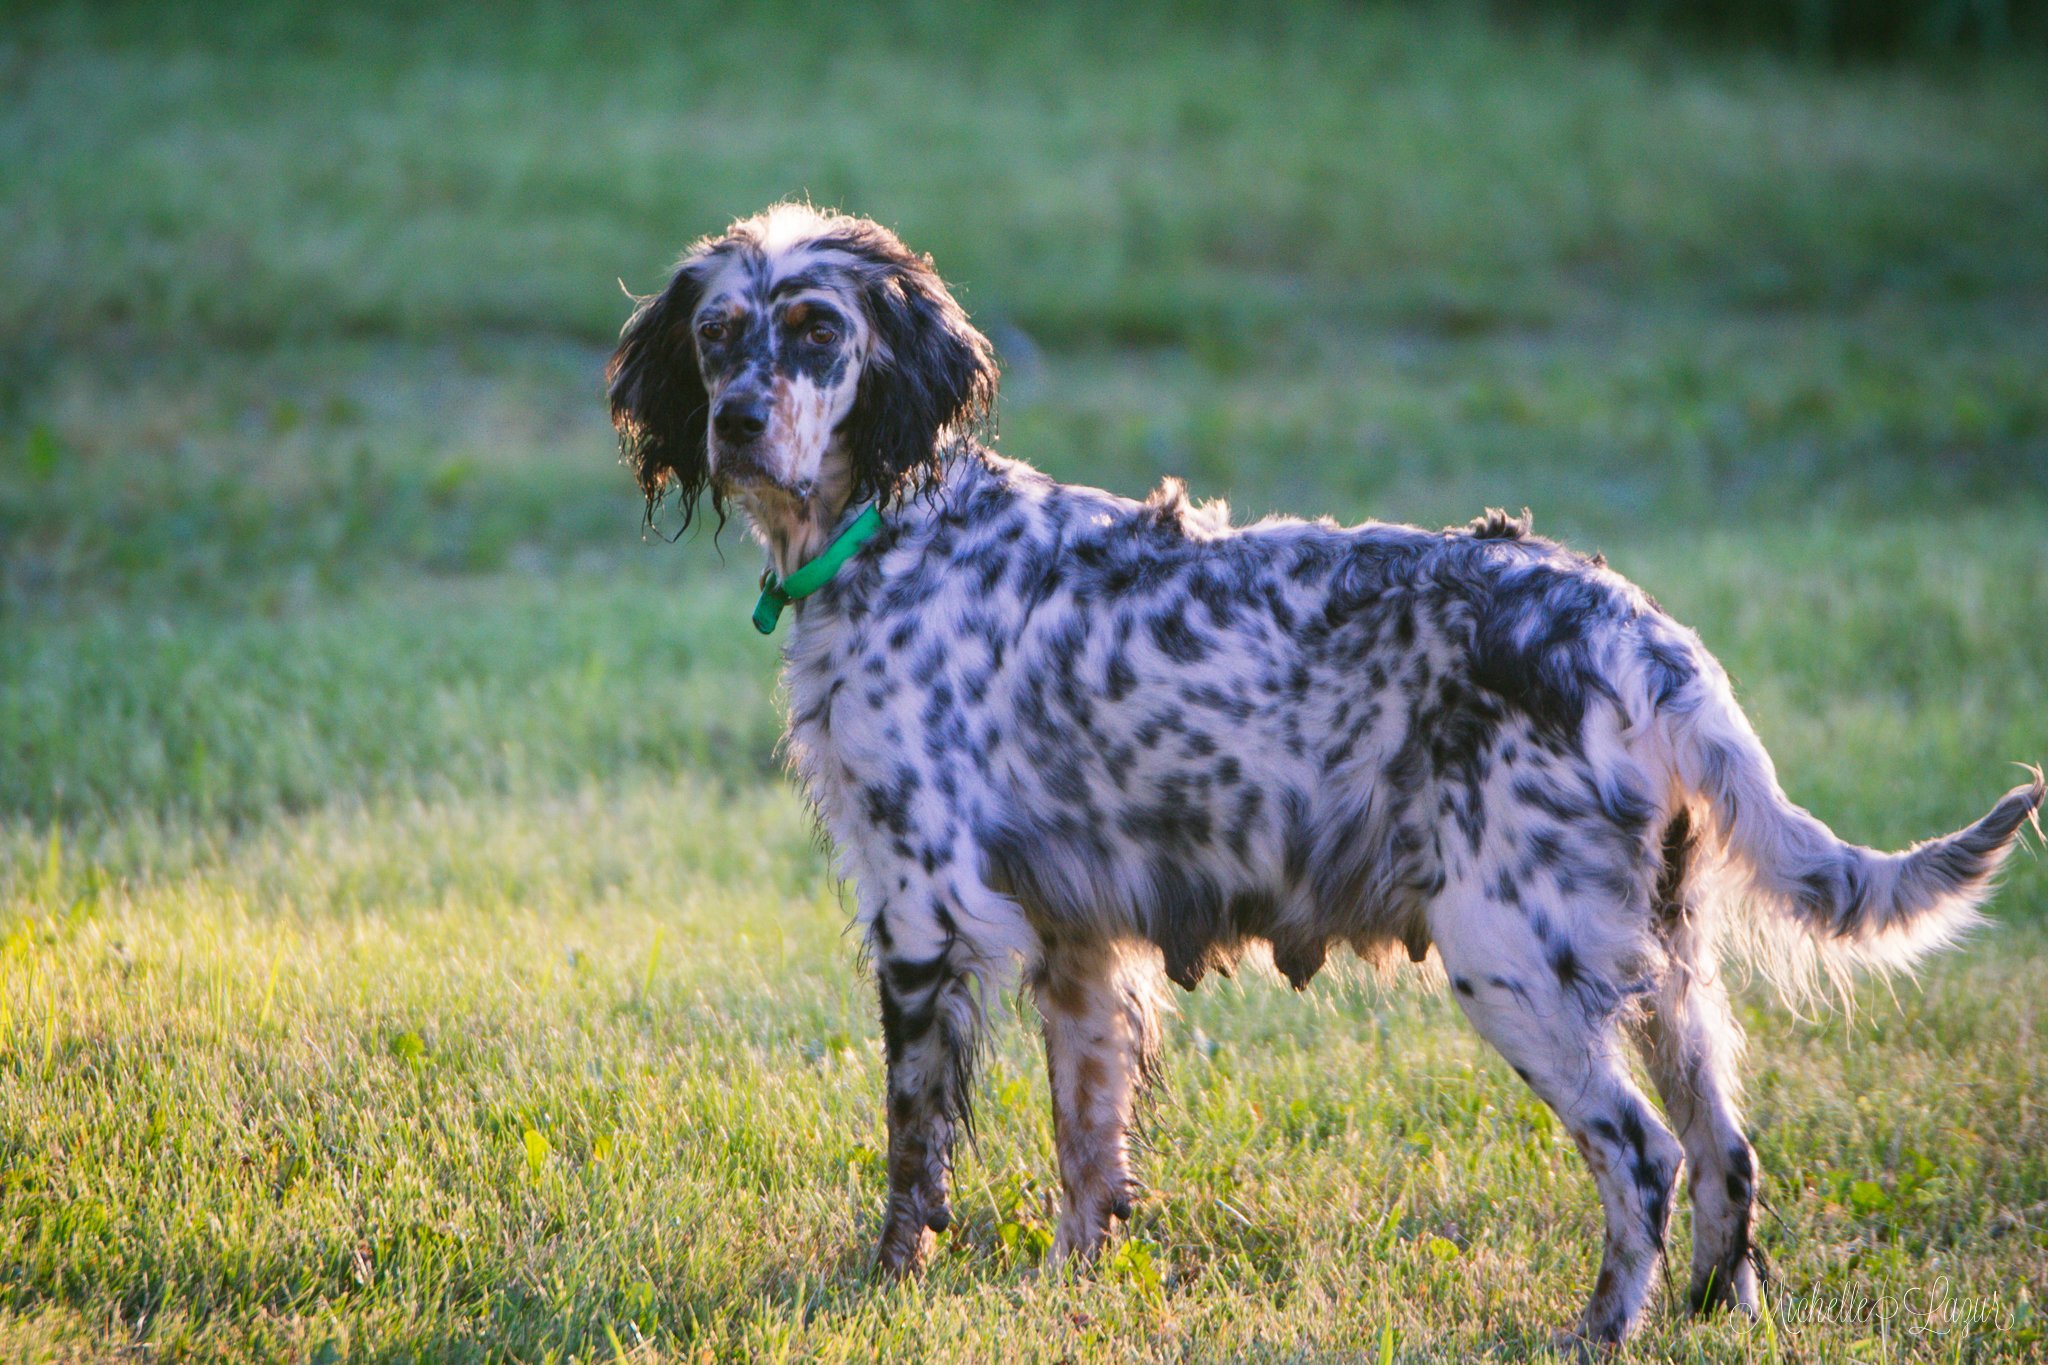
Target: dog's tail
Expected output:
[1817,901]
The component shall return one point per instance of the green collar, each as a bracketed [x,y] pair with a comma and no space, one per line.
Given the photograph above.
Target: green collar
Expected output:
[777,594]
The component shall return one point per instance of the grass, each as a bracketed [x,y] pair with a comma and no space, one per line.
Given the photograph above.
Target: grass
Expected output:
[408,946]
[1086,171]
[504,1077]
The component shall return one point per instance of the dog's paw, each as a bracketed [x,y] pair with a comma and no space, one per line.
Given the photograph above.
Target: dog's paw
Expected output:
[1573,1344]
[904,1250]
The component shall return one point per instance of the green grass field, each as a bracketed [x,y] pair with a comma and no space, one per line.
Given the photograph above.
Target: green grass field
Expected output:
[410,948]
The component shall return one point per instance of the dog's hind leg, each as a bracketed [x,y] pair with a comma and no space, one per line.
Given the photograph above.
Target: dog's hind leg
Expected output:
[1540,1000]
[1099,1003]
[1691,1043]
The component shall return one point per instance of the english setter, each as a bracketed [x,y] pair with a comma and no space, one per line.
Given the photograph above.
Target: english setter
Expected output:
[1103,742]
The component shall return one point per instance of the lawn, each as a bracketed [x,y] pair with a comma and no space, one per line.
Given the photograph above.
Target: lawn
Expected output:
[410,945]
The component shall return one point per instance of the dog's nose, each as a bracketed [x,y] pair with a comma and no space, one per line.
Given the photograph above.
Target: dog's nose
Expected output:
[741,417]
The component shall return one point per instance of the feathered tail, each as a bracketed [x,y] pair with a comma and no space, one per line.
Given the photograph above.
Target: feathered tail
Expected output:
[1817,901]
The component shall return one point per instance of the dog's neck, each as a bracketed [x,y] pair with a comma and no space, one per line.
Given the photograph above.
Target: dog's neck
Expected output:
[795,529]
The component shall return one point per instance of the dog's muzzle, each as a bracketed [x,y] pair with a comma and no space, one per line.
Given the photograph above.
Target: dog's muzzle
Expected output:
[740,418]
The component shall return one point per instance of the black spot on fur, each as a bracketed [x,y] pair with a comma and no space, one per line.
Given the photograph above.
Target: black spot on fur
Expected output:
[1277,608]
[1029,862]
[1655,1183]
[990,564]
[1300,959]
[1150,732]
[1170,631]
[1626,809]
[1541,795]
[1667,664]
[1213,698]
[1216,595]
[1040,573]
[1653,1179]
[1176,819]
[1311,561]
[903,1027]
[1741,1173]
[1678,845]
[1189,917]
[1252,914]
[1532,643]
[1065,643]
[929,664]
[888,807]
[1245,817]
[906,977]
[1121,680]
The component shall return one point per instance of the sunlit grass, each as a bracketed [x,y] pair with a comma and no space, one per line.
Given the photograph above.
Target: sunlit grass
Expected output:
[507,1076]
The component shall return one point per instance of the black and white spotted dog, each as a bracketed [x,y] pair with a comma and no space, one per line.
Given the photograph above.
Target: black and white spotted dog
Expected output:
[1103,742]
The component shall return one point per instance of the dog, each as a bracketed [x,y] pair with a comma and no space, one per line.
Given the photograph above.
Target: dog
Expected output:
[1092,744]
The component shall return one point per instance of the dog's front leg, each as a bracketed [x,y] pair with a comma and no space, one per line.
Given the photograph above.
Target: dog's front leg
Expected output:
[928,1031]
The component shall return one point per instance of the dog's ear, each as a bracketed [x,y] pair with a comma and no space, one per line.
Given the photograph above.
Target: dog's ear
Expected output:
[931,373]
[659,404]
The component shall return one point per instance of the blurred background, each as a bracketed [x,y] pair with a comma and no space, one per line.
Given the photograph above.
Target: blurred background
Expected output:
[306,488]
[410,947]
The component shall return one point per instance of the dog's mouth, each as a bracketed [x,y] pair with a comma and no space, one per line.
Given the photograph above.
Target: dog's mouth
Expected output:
[741,470]
[738,465]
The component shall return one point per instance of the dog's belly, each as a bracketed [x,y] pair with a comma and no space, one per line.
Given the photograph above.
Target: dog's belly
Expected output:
[1110,784]
[1211,806]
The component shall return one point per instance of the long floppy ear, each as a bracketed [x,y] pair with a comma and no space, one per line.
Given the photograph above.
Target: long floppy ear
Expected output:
[931,372]
[659,404]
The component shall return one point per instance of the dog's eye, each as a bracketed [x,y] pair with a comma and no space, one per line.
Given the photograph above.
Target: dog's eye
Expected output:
[712,330]
[822,334]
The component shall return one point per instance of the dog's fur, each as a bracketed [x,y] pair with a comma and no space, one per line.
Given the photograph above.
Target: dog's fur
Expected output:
[1103,742]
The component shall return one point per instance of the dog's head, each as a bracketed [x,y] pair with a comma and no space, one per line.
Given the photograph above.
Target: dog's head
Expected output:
[798,358]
